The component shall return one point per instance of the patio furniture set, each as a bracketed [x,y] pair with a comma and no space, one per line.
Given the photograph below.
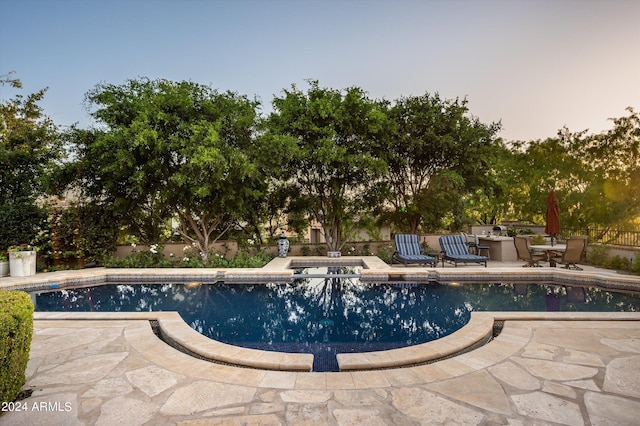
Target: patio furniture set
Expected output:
[456,249]
[570,254]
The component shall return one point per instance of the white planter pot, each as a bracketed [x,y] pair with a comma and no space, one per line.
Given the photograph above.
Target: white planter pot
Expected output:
[333,254]
[22,263]
[4,268]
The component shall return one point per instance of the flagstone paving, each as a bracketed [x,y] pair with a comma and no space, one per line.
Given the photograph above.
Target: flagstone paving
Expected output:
[549,372]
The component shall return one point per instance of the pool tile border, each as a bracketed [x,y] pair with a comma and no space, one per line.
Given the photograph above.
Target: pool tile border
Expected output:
[281,270]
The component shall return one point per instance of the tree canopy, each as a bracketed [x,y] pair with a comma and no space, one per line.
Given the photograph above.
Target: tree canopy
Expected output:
[596,176]
[166,152]
[178,148]
[29,150]
[336,165]
[439,152]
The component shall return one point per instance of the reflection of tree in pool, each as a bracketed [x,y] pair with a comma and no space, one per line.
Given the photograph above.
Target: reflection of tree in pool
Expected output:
[338,309]
[537,297]
[328,309]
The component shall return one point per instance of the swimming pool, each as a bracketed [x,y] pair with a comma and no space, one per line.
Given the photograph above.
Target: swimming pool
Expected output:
[325,316]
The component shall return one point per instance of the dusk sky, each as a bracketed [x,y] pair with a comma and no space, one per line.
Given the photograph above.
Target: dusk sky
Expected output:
[534,65]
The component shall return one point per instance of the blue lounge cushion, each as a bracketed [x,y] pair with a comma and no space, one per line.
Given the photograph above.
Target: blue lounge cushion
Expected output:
[456,250]
[408,250]
[415,258]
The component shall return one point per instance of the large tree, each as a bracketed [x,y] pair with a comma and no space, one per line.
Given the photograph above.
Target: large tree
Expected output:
[439,153]
[339,136]
[179,146]
[533,170]
[29,148]
[595,176]
[612,159]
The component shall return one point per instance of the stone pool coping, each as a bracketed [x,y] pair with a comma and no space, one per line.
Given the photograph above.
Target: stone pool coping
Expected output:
[174,329]
[473,335]
[281,270]
[476,333]
[374,269]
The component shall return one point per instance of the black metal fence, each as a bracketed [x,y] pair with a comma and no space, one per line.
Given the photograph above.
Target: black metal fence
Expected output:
[605,236]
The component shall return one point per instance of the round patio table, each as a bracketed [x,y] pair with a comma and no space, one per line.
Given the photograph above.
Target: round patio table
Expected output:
[549,251]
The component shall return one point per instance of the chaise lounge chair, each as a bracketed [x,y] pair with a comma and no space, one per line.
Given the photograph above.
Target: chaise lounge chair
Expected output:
[408,250]
[523,250]
[456,251]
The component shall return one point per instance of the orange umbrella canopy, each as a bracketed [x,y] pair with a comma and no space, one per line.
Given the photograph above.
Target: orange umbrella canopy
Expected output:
[553,215]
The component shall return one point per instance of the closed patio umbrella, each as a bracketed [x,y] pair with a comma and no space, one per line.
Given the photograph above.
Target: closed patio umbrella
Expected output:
[552,227]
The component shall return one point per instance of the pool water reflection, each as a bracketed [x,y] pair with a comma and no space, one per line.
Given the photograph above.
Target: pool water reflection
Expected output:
[325,316]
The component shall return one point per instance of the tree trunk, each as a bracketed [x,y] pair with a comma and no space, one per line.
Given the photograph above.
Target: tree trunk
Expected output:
[332,234]
[413,225]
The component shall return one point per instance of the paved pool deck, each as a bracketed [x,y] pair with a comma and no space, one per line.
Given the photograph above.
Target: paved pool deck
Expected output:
[544,369]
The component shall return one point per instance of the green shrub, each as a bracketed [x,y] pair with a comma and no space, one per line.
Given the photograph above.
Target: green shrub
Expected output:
[597,255]
[16,328]
[619,263]
[512,232]
[86,231]
[386,253]
[635,266]
[537,240]
[191,258]
[241,260]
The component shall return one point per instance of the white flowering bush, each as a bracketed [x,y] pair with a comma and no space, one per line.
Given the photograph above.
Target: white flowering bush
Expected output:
[191,257]
[153,257]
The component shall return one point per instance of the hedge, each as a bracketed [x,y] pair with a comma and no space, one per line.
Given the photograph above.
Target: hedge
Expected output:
[16,328]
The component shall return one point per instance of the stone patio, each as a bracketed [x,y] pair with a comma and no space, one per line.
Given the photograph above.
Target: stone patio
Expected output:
[534,372]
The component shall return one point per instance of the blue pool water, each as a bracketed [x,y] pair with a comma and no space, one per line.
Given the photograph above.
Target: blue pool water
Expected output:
[329,316]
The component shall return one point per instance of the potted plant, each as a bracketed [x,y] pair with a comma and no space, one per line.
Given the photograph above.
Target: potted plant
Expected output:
[22,260]
[4,265]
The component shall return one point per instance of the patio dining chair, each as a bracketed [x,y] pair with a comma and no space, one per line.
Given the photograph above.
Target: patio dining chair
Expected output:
[408,250]
[524,252]
[574,254]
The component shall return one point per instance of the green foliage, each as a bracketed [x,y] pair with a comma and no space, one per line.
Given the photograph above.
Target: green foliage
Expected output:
[242,260]
[440,152]
[305,250]
[176,148]
[537,239]
[179,150]
[596,177]
[21,223]
[620,263]
[597,255]
[191,258]
[336,164]
[86,231]
[386,253]
[29,148]
[16,329]
[153,257]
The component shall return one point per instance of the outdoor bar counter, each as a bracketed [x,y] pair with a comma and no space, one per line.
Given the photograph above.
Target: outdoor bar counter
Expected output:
[500,248]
